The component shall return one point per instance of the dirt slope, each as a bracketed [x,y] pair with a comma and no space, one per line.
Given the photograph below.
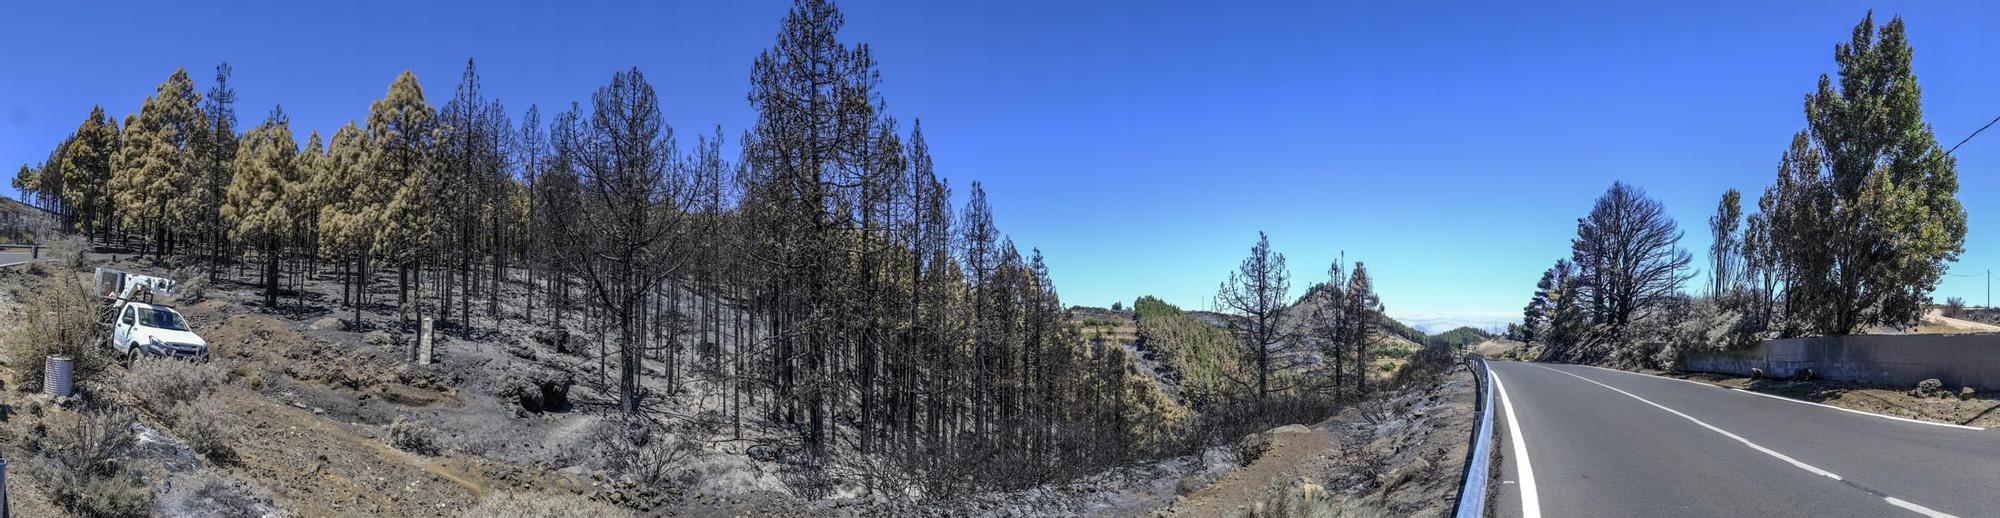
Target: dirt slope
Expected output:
[1399,455]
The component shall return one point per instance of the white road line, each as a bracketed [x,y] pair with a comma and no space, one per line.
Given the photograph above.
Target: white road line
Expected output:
[1884,416]
[1725,433]
[1926,511]
[1800,401]
[1531,502]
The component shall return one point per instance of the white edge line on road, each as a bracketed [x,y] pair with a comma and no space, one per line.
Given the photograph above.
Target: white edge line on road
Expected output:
[1531,501]
[1725,433]
[1799,401]
[1926,511]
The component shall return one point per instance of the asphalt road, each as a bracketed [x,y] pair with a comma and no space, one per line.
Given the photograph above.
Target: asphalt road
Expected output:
[1599,442]
[10,257]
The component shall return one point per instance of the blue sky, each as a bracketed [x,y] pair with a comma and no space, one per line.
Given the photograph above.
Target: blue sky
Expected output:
[1140,145]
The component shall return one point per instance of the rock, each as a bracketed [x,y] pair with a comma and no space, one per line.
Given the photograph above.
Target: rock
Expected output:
[1966,393]
[376,338]
[1251,447]
[557,339]
[328,323]
[1290,429]
[538,393]
[1929,388]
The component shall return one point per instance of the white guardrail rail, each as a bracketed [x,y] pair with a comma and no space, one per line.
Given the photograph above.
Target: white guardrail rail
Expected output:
[1472,495]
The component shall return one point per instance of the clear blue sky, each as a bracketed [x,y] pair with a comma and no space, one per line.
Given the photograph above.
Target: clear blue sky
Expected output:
[1140,145]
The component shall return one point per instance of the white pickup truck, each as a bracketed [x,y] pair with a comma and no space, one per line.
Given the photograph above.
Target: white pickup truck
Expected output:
[142,327]
[152,330]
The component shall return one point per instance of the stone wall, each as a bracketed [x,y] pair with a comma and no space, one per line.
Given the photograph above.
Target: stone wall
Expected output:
[1957,360]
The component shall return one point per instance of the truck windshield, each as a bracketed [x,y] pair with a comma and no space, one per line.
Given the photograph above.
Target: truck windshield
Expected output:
[161,319]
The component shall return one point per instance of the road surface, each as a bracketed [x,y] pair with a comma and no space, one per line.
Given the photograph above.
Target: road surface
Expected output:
[1598,442]
[8,257]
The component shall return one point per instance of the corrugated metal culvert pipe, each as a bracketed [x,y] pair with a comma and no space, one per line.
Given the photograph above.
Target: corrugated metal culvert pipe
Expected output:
[57,374]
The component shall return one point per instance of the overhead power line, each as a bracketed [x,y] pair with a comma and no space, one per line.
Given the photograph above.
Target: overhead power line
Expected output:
[1975,133]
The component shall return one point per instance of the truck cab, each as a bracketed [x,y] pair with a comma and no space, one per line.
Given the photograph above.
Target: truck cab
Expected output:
[149,330]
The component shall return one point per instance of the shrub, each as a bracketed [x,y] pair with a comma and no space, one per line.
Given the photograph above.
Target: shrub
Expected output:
[541,505]
[1309,501]
[644,450]
[60,319]
[212,496]
[161,384]
[406,434]
[69,252]
[82,460]
[200,424]
[193,285]
[1954,307]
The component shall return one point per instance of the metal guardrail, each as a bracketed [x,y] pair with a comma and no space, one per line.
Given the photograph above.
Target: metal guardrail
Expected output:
[1472,495]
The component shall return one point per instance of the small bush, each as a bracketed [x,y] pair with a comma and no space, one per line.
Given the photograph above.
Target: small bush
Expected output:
[1187,485]
[82,460]
[160,384]
[1309,501]
[201,425]
[59,319]
[214,497]
[407,434]
[645,451]
[192,286]
[68,252]
[541,505]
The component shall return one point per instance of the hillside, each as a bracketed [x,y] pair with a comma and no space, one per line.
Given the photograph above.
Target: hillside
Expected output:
[23,223]
[1458,338]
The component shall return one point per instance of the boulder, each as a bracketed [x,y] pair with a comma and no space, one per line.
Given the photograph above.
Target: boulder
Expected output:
[376,338]
[1966,393]
[1929,388]
[538,393]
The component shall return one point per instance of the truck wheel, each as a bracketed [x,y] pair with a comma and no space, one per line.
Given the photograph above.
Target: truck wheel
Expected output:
[131,355]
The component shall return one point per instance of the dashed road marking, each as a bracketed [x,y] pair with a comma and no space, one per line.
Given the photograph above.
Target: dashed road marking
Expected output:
[1799,401]
[1898,502]
[1725,433]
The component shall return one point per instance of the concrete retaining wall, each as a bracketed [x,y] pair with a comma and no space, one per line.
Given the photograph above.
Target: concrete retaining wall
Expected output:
[1957,360]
